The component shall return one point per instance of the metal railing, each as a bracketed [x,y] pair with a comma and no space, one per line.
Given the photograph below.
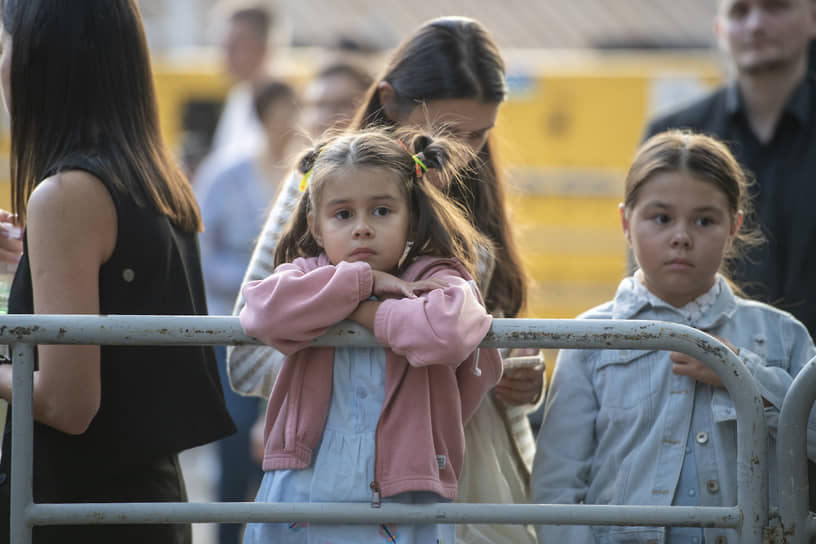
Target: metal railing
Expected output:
[749,517]
[797,524]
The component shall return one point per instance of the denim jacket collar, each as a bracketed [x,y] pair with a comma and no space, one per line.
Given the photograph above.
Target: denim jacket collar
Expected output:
[629,303]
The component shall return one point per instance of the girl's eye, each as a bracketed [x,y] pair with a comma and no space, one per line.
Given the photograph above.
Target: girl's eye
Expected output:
[342,214]
[661,218]
[705,221]
[381,211]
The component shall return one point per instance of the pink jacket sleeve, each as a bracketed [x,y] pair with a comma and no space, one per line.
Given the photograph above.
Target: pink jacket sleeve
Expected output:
[301,300]
[442,326]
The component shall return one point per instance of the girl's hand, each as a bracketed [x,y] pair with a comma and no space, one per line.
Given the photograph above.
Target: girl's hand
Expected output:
[11,243]
[686,365]
[387,285]
[520,386]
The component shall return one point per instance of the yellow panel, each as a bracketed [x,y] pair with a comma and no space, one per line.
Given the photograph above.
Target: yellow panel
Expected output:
[529,209]
[566,301]
[176,86]
[574,268]
[588,120]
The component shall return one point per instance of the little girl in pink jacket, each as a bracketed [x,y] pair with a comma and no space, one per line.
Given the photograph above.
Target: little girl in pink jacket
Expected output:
[374,241]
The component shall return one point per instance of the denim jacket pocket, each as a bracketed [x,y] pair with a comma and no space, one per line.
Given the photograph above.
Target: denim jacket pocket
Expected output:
[623,378]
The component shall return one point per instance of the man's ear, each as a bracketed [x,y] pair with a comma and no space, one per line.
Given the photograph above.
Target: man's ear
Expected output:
[310,221]
[388,99]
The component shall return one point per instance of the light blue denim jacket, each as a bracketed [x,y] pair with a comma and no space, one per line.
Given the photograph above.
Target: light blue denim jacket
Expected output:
[616,422]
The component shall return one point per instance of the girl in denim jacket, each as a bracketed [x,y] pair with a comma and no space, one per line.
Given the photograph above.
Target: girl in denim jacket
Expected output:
[374,241]
[654,427]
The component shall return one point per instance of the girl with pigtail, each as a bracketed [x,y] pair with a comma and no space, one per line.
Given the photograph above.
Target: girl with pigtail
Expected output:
[374,241]
[449,71]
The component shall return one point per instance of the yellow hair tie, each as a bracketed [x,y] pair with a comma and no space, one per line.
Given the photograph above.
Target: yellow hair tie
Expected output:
[304,181]
[420,166]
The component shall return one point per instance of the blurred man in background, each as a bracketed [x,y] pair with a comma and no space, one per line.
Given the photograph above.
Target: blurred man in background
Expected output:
[246,49]
[767,115]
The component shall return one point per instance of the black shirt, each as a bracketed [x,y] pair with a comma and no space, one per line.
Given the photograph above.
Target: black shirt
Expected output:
[156,401]
[783,270]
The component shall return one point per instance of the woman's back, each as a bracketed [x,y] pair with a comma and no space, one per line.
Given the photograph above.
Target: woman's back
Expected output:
[156,401]
[154,270]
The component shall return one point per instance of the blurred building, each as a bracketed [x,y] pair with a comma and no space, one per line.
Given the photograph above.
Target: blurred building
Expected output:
[516,24]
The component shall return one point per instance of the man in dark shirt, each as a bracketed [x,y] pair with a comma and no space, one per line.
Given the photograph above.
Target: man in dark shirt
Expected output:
[767,115]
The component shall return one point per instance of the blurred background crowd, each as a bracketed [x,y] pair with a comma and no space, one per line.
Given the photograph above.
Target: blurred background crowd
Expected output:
[584,78]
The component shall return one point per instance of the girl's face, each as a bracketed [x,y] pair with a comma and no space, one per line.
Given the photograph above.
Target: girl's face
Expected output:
[5,68]
[679,230]
[362,215]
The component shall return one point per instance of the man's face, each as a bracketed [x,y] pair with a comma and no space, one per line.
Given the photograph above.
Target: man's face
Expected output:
[245,51]
[763,35]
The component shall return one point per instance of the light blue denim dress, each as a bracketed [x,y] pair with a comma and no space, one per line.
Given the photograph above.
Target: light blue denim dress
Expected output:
[343,466]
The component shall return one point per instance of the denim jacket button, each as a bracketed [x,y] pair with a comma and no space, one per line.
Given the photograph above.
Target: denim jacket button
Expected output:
[721,540]
[702,437]
[713,486]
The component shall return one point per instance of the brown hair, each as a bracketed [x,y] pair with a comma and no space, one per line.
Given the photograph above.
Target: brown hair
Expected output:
[451,58]
[705,158]
[96,53]
[439,226]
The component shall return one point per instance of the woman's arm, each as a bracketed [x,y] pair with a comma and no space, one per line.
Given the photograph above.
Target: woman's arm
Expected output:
[253,369]
[71,233]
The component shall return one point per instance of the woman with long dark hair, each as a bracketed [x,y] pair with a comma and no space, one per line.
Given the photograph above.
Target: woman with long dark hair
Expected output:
[111,227]
[450,72]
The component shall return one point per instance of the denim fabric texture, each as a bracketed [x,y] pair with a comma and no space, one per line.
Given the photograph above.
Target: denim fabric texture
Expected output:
[618,423]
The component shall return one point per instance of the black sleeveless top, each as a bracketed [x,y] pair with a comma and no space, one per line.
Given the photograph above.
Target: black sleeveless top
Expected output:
[156,401]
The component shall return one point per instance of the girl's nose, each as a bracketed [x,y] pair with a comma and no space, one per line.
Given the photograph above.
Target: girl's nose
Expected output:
[681,238]
[362,230]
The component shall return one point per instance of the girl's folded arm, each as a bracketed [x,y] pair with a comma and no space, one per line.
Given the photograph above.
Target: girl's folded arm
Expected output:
[442,326]
[298,303]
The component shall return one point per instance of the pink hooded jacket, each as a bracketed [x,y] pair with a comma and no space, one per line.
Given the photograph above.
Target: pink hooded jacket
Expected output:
[431,388]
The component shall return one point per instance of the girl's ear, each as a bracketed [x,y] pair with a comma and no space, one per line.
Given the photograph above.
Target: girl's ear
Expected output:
[625,223]
[388,99]
[310,221]
[737,223]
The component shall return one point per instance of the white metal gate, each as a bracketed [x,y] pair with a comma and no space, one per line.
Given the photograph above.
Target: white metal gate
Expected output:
[749,517]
